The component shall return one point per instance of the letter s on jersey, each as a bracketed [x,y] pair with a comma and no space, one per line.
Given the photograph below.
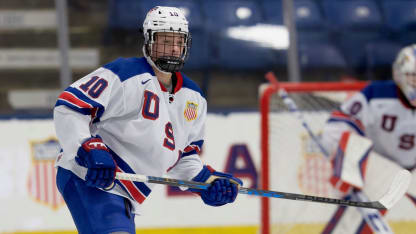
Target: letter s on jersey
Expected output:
[169,141]
[407,141]
[150,111]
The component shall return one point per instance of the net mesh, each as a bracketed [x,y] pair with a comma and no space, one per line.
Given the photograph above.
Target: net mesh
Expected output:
[310,101]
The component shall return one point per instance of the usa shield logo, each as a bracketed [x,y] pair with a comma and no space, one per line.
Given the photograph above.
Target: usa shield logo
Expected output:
[42,176]
[191,111]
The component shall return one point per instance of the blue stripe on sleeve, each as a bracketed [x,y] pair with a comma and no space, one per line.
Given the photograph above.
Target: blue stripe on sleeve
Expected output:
[189,153]
[83,97]
[197,143]
[84,111]
[350,123]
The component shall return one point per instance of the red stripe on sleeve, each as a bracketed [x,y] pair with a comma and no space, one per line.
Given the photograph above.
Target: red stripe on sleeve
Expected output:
[69,97]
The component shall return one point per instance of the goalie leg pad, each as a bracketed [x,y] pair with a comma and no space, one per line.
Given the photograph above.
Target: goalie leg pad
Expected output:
[412,198]
[412,188]
[350,161]
[345,220]
[348,220]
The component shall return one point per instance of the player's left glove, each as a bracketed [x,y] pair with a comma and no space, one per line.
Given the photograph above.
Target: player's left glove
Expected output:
[223,188]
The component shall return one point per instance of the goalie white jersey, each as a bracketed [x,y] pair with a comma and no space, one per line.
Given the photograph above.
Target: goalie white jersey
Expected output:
[381,113]
[148,130]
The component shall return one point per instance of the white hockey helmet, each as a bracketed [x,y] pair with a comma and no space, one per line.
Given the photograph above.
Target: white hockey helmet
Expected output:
[404,72]
[165,19]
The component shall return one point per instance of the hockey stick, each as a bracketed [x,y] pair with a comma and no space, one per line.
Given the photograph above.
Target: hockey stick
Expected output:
[357,195]
[396,191]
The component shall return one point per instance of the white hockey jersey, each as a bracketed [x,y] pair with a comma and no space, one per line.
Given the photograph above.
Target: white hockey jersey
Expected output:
[381,113]
[147,129]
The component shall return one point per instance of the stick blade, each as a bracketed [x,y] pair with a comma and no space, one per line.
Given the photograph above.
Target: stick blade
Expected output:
[398,188]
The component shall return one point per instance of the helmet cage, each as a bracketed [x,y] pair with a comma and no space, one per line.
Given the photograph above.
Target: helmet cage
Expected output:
[163,59]
[408,86]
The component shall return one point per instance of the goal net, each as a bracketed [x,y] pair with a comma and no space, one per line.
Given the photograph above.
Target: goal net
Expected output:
[291,161]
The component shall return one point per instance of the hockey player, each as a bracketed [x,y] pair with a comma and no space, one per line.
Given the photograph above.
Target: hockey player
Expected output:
[134,115]
[371,137]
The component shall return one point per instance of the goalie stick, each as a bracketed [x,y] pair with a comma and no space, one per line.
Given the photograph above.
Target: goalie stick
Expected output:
[396,191]
[357,195]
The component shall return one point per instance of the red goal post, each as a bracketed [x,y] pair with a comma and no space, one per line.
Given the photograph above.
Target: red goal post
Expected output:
[269,109]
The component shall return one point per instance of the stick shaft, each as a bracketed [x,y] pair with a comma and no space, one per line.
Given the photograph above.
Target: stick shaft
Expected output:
[248,191]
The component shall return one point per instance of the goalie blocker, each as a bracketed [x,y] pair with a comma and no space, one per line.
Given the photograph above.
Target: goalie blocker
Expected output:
[356,165]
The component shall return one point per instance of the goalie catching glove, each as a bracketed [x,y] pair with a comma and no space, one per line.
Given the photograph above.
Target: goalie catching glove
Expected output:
[223,187]
[95,156]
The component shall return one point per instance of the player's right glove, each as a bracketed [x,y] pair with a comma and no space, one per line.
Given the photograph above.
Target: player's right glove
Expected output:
[95,156]
[223,188]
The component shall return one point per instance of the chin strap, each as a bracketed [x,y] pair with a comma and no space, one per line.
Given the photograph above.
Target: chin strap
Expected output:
[150,61]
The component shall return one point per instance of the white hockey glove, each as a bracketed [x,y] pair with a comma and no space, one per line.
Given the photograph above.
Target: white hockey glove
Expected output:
[412,188]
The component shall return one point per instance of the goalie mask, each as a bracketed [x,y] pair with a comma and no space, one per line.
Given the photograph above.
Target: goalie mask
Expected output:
[404,72]
[166,38]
